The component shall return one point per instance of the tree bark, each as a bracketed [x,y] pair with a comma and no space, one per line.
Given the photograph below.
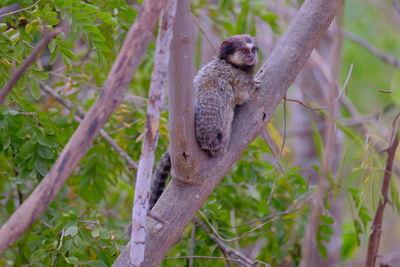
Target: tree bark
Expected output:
[145,168]
[111,96]
[180,201]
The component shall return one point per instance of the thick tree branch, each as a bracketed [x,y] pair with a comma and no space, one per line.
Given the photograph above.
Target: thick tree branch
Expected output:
[27,62]
[111,96]
[184,151]
[180,201]
[146,162]
[376,228]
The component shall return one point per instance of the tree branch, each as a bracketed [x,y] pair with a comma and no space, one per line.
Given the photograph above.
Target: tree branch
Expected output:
[376,228]
[184,151]
[180,201]
[146,162]
[121,73]
[47,36]
[372,49]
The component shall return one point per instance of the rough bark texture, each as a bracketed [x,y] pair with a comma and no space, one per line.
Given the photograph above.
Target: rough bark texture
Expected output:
[180,201]
[145,168]
[184,151]
[118,80]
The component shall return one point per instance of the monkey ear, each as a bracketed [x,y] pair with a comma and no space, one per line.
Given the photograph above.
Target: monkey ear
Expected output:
[227,48]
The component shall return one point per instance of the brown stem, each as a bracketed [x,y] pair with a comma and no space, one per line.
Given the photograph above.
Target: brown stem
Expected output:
[32,57]
[376,228]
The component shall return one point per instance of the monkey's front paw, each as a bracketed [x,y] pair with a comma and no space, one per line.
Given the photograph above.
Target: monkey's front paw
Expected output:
[257,83]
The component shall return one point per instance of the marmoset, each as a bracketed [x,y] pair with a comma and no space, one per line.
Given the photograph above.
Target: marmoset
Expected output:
[221,85]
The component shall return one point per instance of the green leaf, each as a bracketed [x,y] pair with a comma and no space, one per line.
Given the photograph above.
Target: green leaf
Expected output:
[96,233]
[52,45]
[41,140]
[3,26]
[318,141]
[40,75]
[322,249]
[35,89]
[357,227]
[72,260]
[71,230]
[10,207]
[41,167]
[27,150]
[6,142]
[326,219]
[364,215]
[97,263]
[45,153]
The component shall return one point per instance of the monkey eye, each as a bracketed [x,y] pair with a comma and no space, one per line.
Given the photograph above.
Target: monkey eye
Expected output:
[253,50]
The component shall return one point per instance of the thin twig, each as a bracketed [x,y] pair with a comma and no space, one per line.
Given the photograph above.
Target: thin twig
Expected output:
[204,33]
[61,239]
[203,257]
[376,228]
[19,10]
[81,114]
[192,242]
[236,238]
[228,250]
[27,62]
[372,49]
[335,100]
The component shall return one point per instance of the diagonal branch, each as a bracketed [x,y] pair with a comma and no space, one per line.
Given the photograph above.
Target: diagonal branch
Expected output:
[180,201]
[122,71]
[376,228]
[27,62]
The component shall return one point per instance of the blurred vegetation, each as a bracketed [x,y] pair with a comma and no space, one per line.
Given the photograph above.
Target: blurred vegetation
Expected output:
[85,224]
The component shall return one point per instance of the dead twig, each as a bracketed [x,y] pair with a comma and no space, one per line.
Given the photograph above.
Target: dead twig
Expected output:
[376,228]
[228,250]
[27,62]
[334,101]
[19,10]
[372,49]
[204,33]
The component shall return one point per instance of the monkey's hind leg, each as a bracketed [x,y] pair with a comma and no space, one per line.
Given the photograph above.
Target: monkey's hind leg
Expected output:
[213,128]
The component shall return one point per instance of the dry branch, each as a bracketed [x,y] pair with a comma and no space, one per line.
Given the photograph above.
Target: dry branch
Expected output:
[47,36]
[146,162]
[180,201]
[111,96]
[372,49]
[376,228]
[81,114]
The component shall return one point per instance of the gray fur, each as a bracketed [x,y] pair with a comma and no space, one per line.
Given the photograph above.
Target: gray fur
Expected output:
[219,87]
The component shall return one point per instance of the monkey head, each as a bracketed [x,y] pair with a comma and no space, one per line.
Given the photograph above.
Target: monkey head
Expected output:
[240,51]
